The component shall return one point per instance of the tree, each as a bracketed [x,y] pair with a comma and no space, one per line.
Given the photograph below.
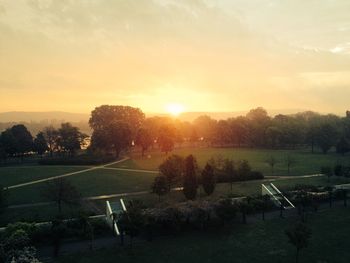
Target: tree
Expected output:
[144,140]
[172,168]
[103,116]
[208,179]
[343,146]
[61,191]
[299,236]
[205,127]
[272,161]
[230,171]
[51,136]
[23,139]
[115,137]
[70,138]
[8,143]
[115,127]
[160,186]
[166,138]
[326,137]
[290,161]
[190,183]
[40,144]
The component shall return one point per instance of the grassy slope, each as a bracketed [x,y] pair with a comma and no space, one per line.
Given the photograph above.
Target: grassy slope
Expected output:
[21,174]
[96,182]
[259,242]
[306,162]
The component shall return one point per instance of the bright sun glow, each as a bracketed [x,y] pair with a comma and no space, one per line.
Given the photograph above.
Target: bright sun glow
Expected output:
[175,109]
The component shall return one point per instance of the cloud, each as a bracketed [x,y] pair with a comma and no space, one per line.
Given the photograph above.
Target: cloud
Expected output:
[223,53]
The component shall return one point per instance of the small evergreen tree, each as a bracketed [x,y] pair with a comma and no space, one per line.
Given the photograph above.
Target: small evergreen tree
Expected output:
[208,179]
[190,183]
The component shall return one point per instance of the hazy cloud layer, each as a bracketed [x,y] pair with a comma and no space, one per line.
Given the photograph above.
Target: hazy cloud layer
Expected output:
[208,55]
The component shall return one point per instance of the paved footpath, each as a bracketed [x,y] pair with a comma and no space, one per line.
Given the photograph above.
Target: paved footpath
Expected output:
[65,175]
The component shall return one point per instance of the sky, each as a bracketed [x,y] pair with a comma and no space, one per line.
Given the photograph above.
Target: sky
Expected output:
[209,55]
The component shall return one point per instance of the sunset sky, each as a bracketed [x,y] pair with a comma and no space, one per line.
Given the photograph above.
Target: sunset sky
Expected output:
[222,55]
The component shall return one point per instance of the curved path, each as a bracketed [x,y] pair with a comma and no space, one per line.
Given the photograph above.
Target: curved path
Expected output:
[66,174]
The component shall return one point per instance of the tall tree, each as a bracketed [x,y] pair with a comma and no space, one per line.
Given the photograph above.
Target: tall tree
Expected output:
[230,171]
[40,144]
[144,140]
[190,183]
[208,179]
[103,116]
[299,236]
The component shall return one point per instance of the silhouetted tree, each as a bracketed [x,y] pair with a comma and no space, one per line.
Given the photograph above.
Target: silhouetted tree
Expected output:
[166,138]
[51,137]
[299,236]
[40,144]
[144,140]
[208,179]
[70,138]
[23,138]
[172,168]
[343,146]
[190,183]
[326,137]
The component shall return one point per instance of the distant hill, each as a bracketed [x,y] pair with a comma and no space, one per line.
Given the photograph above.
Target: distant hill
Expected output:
[56,116]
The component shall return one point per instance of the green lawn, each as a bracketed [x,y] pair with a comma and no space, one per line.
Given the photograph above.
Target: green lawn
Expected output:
[306,162]
[262,242]
[21,174]
[92,183]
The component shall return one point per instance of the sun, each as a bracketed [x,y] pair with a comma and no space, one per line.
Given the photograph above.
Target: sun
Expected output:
[175,109]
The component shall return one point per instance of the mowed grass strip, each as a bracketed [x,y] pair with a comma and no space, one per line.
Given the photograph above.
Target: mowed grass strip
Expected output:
[306,162]
[263,242]
[16,175]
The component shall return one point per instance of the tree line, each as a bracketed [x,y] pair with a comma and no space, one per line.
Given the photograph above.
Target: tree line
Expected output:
[116,128]
[17,141]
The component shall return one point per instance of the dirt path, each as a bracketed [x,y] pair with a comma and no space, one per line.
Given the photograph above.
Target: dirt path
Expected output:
[65,175]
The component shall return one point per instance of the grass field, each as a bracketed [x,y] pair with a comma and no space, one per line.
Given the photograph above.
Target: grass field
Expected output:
[263,242]
[104,181]
[21,174]
[306,162]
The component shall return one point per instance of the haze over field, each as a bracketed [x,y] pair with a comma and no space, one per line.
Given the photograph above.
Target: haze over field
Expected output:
[205,55]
